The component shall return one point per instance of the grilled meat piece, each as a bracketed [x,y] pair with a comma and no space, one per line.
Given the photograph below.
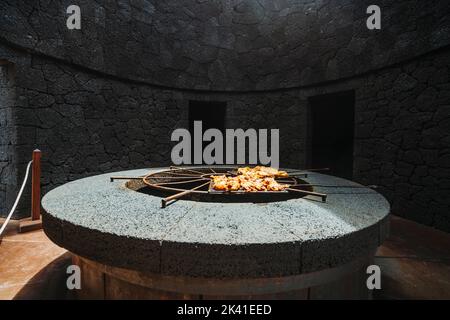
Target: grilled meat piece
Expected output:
[250,180]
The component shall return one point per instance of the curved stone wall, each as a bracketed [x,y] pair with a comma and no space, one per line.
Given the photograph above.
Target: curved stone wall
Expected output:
[228,45]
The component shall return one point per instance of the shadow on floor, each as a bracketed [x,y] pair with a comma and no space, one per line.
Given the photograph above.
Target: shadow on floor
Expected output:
[49,283]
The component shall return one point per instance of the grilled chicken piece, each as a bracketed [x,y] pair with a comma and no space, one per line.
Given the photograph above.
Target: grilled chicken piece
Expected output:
[244,170]
[269,172]
[250,180]
[273,185]
[282,174]
[261,171]
[265,171]
[233,184]
[220,182]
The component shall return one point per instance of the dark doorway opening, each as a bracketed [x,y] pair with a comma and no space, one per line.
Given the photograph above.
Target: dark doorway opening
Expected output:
[331,129]
[212,115]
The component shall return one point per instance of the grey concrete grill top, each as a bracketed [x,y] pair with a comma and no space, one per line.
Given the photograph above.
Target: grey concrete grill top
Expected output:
[109,223]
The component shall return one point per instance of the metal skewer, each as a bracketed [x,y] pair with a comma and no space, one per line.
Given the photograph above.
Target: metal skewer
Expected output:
[125,178]
[172,177]
[317,194]
[295,174]
[181,194]
[303,170]
[184,169]
[333,186]
[178,182]
[140,178]
[183,174]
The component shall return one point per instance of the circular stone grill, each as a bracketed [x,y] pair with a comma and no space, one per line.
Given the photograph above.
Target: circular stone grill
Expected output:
[198,249]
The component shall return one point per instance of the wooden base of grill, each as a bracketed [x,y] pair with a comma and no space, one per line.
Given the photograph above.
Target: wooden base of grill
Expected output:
[99,281]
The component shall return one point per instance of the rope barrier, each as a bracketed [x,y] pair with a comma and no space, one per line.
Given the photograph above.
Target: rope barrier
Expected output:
[17,199]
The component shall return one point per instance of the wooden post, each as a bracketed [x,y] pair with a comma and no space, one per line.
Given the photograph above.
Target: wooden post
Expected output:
[36,186]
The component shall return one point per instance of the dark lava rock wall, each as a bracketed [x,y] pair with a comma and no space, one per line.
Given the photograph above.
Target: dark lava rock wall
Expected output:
[403,137]
[231,45]
[8,172]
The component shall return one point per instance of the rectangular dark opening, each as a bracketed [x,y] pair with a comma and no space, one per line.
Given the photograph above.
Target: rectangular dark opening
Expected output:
[212,115]
[331,132]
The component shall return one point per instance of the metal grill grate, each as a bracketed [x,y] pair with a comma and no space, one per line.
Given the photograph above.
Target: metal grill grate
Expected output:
[197,180]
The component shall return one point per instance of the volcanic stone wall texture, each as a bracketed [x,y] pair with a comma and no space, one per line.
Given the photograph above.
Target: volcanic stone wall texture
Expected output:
[7,134]
[403,137]
[233,45]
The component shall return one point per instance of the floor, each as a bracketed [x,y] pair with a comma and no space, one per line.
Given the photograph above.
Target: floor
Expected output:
[414,262]
[31,266]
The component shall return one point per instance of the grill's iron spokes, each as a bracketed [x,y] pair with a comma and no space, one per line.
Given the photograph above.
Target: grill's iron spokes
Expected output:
[180,182]
[285,180]
[181,194]
[159,177]
[183,174]
[174,177]
[178,179]
[295,173]
[178,187]
[298,174]
[185,169]
[334,186]
[323,196]
[302,170]
[125,178]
